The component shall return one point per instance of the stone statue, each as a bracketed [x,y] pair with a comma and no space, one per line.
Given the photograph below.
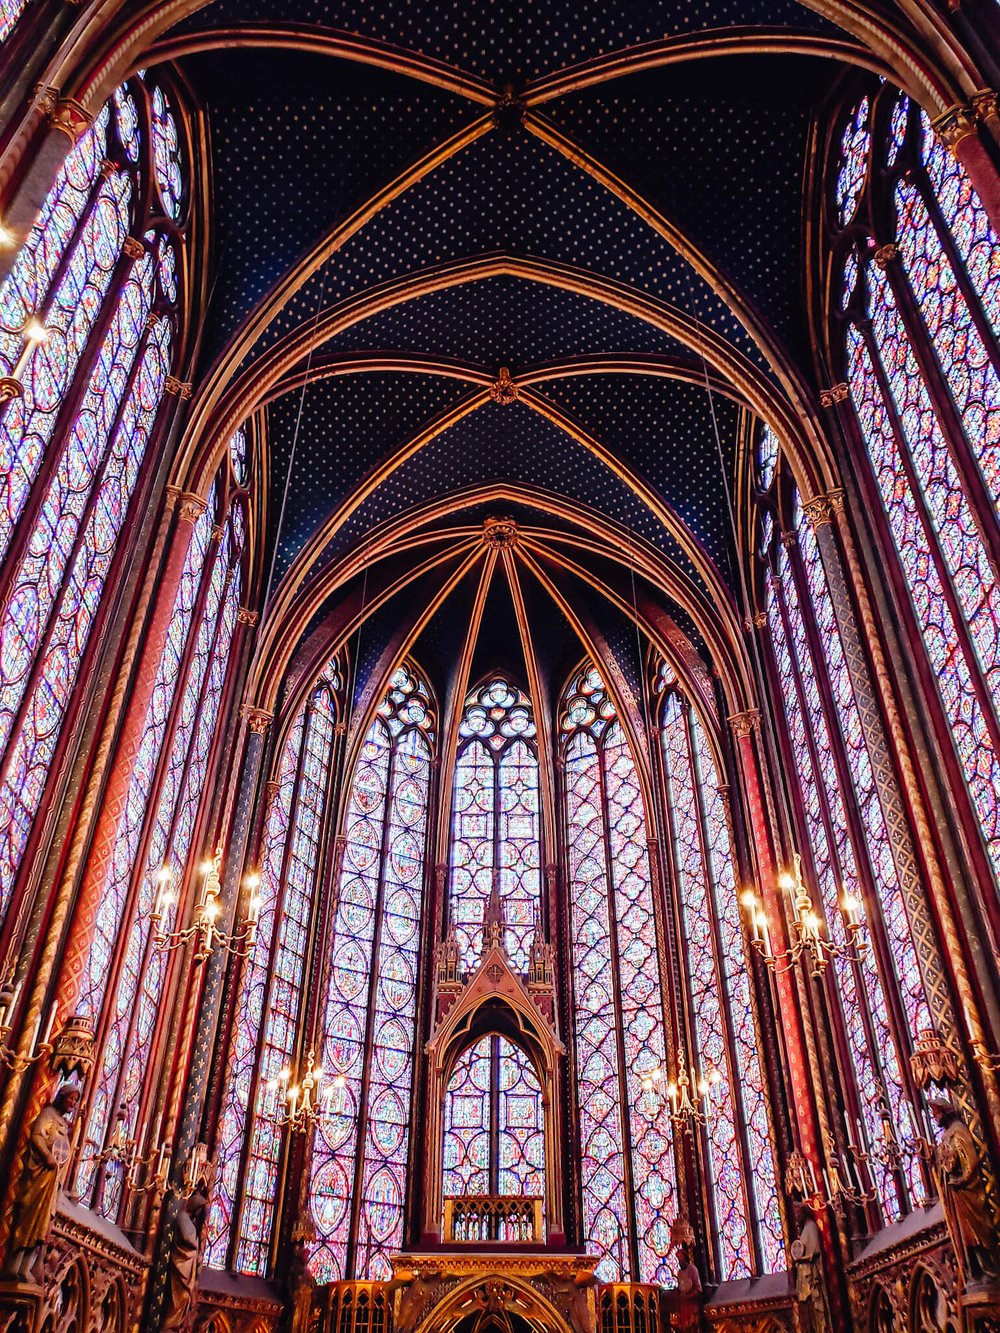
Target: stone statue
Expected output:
[959,1169]
[39,1185]
[569,1295]
[688,1289]
[182,1279]
[810,1296]
[301,1285]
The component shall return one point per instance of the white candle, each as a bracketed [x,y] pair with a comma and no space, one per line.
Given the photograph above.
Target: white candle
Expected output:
[49,1026]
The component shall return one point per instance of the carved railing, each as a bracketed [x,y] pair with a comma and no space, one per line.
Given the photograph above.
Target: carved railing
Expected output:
[354,1307]
[512,1219]
[632,1307]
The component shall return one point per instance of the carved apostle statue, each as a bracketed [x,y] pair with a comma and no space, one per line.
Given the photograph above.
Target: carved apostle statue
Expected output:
[39,1185]
[963,1193]
[182,1278]
[301,1285]
[810,1295]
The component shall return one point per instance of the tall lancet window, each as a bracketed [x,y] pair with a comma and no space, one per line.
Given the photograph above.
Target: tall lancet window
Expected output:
[495,822]
[718,966]
[850,852]
[156,843]
[360,1156]
[266,1032]
[10,12]
[88,323]
[619,1026]
[920,314]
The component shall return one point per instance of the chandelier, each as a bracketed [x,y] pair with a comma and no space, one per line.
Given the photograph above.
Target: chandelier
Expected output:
[204,928]
[810,938]
[689,1096]
[299,1103]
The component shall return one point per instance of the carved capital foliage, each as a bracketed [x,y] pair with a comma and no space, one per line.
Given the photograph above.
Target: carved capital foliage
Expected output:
[69,118]
[821,509]
[955,124]
[244,616]
[258,720]
[885,254]
[189,507]
[836,393]
[744,724]
[178,388]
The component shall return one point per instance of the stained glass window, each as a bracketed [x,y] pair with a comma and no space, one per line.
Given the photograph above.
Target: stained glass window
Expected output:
[831,758]
[87,326]
[124,974]
[10,12]
[494,1131]
[495,828]
[923,365]
[627,1165]
[360,1155]
[742,1171]
[250,1138]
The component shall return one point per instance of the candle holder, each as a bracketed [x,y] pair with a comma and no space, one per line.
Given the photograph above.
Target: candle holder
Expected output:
[121,1150]
[300,1105]
[689,1096]
[204,929]
[810,941]
[38,1050]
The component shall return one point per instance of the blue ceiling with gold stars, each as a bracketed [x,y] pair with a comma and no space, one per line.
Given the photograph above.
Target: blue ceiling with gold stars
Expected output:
[525,196]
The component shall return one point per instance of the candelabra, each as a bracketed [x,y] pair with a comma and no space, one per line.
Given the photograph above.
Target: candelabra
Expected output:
[37,1049]
[841,1181]
[689,1096]
[204,928]
[300,1105]
[810,939]
[121,1150]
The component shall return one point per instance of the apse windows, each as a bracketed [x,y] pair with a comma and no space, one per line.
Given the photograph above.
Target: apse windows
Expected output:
[495,820]
[88,324]
[619,1028]
[921,311]
[494,1130]
[359,1169]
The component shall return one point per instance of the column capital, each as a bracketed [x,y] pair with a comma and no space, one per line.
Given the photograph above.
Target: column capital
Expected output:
[178,388]
[836,393]
[70,118]
[244,616]
[885,254]
[133,248]
[189,506]
[820,510]
[257,719]
[743,724]
[954,124]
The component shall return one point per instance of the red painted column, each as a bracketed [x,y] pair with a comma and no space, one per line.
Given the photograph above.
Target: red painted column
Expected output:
[189,508]
[958,127]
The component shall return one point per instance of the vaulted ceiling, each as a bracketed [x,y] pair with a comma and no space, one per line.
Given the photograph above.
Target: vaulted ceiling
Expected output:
[605,200]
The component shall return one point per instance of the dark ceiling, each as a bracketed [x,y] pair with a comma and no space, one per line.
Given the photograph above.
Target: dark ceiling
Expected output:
[582,210]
